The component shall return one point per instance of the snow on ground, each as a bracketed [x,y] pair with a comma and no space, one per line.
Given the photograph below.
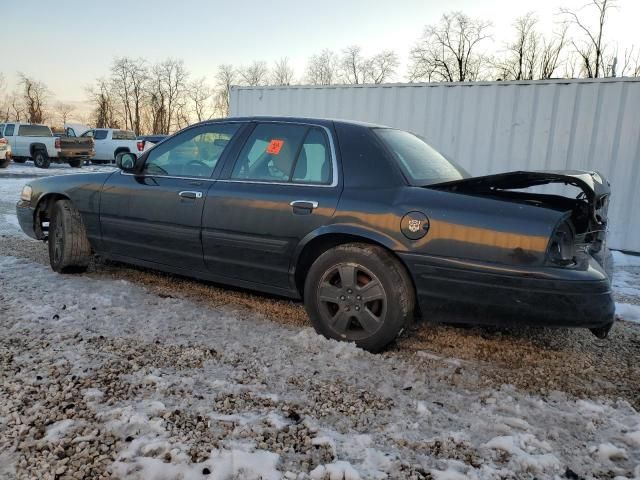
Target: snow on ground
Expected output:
[626,286]
[172,389]
[27,169]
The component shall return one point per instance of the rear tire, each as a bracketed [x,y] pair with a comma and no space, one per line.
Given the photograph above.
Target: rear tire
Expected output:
[41,159]
[69,247]
[75,163]
[359,293]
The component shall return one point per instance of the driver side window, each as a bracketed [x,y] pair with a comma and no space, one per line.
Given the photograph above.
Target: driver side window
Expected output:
[193,153]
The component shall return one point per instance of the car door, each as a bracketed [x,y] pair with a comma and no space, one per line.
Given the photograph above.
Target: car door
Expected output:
[155,214]
[282,185]
[102,144]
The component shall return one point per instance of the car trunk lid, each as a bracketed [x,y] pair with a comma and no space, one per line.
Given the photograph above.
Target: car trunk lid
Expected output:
[595,187]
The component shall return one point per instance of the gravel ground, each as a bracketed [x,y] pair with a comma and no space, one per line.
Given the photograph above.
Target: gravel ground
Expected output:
[538,360]
[148,375]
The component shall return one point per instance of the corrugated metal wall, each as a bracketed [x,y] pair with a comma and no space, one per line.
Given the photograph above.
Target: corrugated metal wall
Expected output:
[497,126]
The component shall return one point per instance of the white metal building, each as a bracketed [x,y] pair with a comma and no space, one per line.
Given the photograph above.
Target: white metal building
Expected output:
[488,127]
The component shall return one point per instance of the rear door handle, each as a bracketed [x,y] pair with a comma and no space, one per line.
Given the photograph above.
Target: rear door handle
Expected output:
[309,205]
[190,194]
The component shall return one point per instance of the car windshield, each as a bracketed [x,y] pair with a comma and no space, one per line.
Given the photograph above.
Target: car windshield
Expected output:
[421,163]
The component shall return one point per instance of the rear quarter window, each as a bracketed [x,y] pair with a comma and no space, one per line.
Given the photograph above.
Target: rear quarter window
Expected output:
[100,134]
[34,131]
[123,135]
[8,131]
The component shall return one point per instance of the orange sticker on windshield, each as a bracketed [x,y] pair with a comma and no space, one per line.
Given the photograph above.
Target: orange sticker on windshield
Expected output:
[275,146]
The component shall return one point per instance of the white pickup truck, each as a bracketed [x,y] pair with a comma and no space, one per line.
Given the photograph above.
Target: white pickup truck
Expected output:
[109,142]
[37,142]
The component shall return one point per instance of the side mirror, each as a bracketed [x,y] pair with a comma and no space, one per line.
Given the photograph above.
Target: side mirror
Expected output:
[126,161]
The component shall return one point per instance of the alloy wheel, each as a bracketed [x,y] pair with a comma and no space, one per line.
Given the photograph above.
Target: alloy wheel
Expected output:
[352,301]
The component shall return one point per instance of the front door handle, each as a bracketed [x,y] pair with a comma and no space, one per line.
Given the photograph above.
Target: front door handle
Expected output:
[190,194]
[304,205]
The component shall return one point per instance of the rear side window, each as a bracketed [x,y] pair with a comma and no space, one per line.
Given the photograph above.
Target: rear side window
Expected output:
[34,131]
[8,131]
[123,135]
[100,134]
[285,153]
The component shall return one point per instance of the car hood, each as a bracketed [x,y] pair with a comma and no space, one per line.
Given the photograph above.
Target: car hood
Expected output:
[595,187]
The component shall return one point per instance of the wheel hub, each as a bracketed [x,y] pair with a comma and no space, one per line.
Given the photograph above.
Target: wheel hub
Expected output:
[352,300]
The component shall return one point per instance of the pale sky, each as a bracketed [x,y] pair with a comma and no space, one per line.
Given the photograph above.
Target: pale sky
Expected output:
[69,43]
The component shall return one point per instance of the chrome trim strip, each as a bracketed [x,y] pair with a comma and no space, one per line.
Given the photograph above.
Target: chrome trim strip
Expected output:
[199,179]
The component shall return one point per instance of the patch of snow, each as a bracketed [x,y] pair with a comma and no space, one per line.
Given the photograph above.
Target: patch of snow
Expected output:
[222,464]
[608,451]
[628,312]
[59,430]
[527,452]
[621,259]
[92,394]
[339,470]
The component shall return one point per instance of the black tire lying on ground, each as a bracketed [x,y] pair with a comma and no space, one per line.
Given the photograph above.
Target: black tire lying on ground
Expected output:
[361,293]
[69,247]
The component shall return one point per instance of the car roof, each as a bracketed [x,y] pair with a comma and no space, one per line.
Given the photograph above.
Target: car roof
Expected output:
[314,120]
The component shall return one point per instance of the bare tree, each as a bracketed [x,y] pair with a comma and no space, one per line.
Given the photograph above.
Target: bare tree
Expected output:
[521,60]
[282,73]
[383,66]
[448,51]
[129,78]
[167,90]
[631,65]
[200,95]
[226,77]
[591,48]
[354,66]
[322,68]
[550,53]
[255,74]
[34,96]
[103,102]
[63,110]
[17,106]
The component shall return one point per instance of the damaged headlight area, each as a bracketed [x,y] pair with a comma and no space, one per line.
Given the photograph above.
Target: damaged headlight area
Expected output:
[25,195]
[562,247]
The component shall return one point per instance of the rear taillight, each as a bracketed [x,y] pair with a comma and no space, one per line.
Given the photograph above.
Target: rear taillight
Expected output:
[562,249]
[3,141]
[141,145]
[57,144]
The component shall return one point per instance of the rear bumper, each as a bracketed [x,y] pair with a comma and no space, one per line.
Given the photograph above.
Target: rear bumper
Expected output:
[489,294]
[25,213]
[71,155]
